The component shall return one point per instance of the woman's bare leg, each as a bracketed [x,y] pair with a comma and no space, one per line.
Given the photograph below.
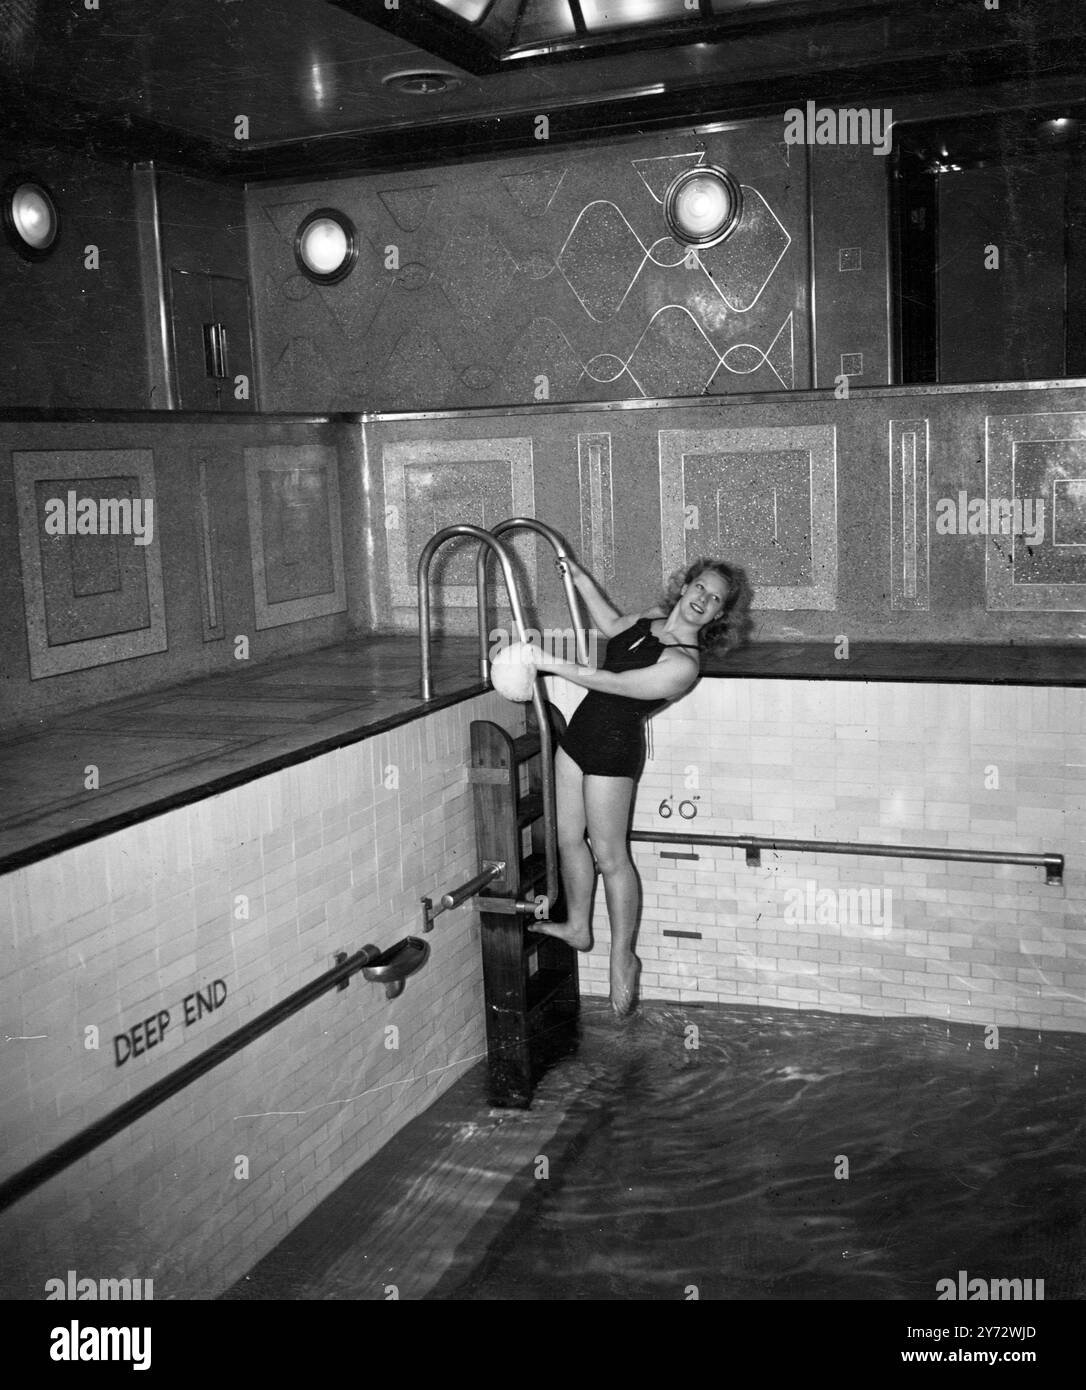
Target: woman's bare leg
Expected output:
[607,808]
[578,870]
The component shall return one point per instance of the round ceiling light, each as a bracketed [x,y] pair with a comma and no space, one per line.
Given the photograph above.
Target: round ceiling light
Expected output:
[703,206]
[30,217]
[422,83]
[326,246]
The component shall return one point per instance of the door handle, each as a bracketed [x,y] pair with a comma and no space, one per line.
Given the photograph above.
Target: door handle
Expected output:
[215,350]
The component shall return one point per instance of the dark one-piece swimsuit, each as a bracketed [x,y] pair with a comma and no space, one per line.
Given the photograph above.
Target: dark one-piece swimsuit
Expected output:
[605,737]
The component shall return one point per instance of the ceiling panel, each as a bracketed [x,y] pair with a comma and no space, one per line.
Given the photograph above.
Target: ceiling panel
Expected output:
[308,75]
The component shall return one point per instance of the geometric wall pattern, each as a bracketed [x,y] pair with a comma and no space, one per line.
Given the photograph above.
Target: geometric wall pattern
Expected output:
[90,599]
[296,532]
[764,498]
[603,257]
[512,283]
[431,484]
[909,514]
[1040,460]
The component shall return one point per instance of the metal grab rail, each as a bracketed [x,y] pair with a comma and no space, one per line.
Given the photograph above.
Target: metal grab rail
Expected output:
[456,896]
[546,743]
[81,1144]
[1052,864]
[528,523]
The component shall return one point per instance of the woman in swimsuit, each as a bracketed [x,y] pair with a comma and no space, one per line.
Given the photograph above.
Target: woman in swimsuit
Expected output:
[652,658]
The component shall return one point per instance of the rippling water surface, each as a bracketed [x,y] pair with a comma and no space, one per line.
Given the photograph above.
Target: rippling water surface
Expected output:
[713,1166]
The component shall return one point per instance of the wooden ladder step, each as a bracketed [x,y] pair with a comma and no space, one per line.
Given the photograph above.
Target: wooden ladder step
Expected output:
[525,746]
[533,870]
[529,978]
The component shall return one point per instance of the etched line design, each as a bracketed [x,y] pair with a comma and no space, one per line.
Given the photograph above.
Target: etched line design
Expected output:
[206,544]
[908,512]
[909,545]
[597,503]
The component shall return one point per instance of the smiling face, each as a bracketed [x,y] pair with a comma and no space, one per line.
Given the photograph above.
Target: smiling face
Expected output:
[703,598]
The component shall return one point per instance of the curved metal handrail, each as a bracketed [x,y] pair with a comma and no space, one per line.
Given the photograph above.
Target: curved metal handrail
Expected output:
[83,1143]
[546,748]
[528,523]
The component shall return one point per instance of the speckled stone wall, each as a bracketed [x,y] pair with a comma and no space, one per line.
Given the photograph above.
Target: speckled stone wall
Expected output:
[253,535]
[75,336]
[549,277]
[847,514]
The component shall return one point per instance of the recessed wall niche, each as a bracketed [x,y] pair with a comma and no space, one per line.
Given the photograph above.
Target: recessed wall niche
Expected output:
[430,484]
[90,599]
[296,531]
[764,498]
[1037,464]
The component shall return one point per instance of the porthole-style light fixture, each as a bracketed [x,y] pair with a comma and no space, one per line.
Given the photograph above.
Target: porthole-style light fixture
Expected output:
[703,206]
[31,222]
[326,246]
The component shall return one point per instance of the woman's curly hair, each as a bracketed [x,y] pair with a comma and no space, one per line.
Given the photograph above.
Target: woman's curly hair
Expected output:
[732,626]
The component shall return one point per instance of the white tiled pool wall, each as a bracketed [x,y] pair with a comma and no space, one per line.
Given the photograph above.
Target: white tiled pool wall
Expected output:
[331,855]
[966,767]
[257,887]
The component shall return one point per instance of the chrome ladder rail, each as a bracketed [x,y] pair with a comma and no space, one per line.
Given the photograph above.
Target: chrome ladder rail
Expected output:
[527,523]
[488,541]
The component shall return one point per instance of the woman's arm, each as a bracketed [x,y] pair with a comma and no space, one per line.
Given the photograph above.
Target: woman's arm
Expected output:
[602,612]
[673,675]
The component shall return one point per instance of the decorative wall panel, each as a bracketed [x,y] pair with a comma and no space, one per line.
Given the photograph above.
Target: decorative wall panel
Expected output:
[849,263]
[502,283]
[430,484]
[597,505]
[90,599]
[207,550]
[766,498]
[296,533]
[1037,464]
[909,514]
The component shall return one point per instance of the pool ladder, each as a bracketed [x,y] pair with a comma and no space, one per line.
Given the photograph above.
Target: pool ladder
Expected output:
[489,543]
[530,981]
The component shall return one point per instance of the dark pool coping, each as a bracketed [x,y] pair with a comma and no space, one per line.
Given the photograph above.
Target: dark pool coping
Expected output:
[889,662]
[919,663]
[238,777]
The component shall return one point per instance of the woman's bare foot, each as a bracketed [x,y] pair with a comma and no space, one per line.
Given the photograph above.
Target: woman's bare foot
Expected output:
[624,979]
[580,938]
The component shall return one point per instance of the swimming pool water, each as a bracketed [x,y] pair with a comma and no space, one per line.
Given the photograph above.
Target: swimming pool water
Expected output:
[768,1154]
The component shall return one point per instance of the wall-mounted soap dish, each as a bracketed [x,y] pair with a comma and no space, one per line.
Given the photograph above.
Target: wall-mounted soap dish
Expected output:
[392,967]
